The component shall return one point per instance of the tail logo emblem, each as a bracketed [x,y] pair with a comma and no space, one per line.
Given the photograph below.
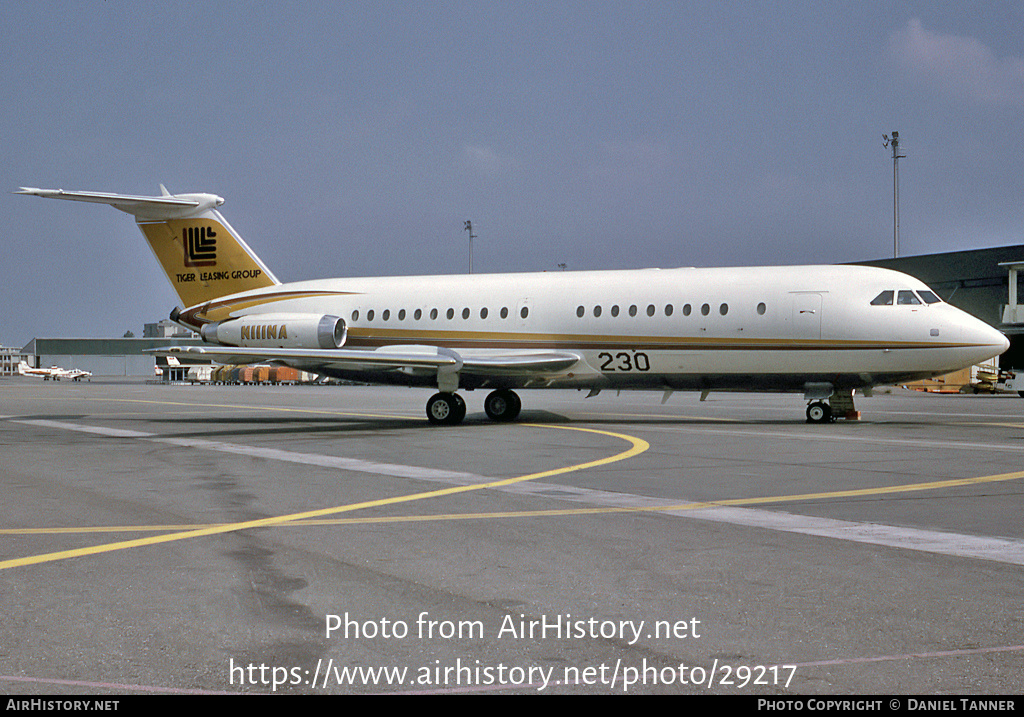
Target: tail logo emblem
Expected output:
[200,246]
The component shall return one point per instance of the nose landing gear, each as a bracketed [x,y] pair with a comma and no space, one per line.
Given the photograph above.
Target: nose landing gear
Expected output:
[819,412]
[839,405]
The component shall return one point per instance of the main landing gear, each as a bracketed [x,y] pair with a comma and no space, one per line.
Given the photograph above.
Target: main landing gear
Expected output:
[448,409]
[502,405]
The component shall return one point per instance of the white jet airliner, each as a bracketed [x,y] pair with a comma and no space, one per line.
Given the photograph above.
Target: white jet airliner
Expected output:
[820,330]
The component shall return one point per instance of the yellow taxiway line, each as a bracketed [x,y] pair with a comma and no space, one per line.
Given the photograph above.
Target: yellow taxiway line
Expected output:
[637,446]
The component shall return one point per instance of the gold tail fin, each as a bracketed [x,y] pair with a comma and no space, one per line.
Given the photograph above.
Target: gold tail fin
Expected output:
[204,259]
[202,256]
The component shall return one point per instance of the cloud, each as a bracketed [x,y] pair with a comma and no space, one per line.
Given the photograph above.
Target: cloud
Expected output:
[486,160]
[632,160]
[960,66]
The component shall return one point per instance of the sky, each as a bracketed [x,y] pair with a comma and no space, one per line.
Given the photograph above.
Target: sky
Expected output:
[356,138]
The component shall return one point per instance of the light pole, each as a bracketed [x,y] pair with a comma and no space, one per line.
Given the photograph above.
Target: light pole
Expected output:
[895,143]
[469,228]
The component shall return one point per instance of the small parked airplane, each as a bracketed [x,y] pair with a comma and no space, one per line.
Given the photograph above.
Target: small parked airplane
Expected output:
[55,373]
[820,330]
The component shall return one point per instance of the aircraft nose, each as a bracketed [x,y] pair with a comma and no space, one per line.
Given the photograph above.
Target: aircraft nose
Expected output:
[983,335]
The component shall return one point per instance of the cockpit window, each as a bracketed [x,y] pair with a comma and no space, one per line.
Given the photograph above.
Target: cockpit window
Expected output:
[907,297]
[883,299]
[929,297]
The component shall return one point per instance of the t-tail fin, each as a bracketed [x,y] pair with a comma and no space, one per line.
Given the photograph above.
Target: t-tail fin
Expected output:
[203,257]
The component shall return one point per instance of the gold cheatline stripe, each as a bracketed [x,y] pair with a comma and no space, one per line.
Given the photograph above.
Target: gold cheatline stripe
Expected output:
[373,337]
[226,307]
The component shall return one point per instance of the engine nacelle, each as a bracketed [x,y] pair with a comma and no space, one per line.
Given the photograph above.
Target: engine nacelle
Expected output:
[291,331]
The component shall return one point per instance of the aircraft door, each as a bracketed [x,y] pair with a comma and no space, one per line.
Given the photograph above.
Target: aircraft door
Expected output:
[807,309]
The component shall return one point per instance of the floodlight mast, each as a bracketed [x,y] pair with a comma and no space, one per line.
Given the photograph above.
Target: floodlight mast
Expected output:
[896,156]
[468,226]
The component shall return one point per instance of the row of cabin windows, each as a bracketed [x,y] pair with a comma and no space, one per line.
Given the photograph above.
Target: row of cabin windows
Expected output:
[669,309]
[905,297]
[433,314]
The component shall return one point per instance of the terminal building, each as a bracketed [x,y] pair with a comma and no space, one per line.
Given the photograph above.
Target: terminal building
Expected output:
[10,358]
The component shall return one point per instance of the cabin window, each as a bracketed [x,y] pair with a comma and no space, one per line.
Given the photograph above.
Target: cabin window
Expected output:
[465,313]
[597,311]
[433,314]
[504,312]
[883,299]
[761,308]
[355,315]
[580,311]
[401,314]
[723,309]
[524,312]
[907,298]
[632,310]
[369,315]
[651,310]
[705,309]
[687,309]
[615,310]
[483,313]
[929,297]
[417,314]
[450,313]
[668,309]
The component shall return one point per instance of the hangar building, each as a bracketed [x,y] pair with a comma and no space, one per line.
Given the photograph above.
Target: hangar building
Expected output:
[102,357]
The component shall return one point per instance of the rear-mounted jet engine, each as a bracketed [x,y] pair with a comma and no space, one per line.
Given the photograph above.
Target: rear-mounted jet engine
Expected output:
[294,331]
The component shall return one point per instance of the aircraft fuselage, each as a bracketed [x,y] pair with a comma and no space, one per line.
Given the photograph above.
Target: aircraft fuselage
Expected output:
[757,328]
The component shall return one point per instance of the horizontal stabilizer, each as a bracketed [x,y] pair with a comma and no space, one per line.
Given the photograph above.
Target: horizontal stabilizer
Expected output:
[201,255]
[162,207]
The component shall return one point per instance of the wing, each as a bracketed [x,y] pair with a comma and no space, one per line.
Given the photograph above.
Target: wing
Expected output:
[305,358]
[411,359]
